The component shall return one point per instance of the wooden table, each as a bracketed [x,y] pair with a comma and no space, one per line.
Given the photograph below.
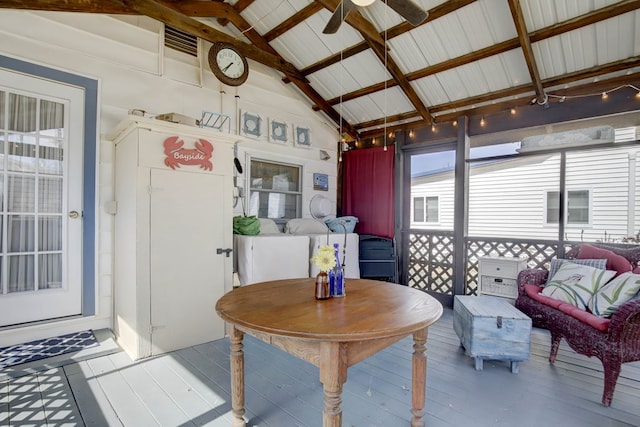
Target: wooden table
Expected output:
[332,334]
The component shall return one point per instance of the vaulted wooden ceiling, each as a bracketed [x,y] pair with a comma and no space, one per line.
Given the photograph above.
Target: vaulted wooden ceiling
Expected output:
[379,73]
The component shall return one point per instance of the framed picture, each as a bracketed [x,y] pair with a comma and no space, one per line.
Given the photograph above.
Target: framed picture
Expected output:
[278,131]
[321,181]
[302,136]
[250,124]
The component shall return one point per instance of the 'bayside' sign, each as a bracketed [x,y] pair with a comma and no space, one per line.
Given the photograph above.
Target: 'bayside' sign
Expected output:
[176,155]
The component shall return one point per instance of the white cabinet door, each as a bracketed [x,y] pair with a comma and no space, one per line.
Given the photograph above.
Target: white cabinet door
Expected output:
[187,226]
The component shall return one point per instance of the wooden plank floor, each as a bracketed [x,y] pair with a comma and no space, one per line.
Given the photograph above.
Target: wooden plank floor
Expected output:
[191,387]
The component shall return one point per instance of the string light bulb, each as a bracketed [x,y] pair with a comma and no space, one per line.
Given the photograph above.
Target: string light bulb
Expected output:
[513,111]
[482,122]
[455,123]
[605,95]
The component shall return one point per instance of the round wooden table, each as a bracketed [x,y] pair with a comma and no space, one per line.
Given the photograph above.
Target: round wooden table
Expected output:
[332,334]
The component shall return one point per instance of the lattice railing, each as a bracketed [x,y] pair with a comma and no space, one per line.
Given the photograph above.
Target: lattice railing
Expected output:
[431,258]
[431,262]
[537,253]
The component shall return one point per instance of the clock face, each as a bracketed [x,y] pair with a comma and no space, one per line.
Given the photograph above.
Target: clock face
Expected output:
[230,63]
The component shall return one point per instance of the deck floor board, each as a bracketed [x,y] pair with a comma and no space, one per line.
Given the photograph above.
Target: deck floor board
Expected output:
[191,387]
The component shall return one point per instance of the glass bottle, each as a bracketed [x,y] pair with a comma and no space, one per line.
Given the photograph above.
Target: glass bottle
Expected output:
[322,286]
[336,276]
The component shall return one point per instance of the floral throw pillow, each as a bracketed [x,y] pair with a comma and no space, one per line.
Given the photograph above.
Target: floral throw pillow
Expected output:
[615,293]
[600,263]
[576,284]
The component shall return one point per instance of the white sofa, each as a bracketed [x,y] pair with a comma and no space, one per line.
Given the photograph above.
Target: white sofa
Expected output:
[273,255]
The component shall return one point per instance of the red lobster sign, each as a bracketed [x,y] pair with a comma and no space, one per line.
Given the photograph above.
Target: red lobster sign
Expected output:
[176,155]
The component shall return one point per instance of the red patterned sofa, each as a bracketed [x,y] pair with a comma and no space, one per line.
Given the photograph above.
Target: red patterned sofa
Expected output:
[614,340]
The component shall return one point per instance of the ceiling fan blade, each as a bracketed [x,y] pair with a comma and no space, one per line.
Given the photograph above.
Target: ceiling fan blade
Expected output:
[409,11]
[344,7]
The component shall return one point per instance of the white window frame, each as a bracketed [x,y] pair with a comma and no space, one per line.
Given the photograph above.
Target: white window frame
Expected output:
[568,221]
[425,219]
[298,193]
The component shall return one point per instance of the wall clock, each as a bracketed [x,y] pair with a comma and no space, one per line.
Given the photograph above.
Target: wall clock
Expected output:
[228,64]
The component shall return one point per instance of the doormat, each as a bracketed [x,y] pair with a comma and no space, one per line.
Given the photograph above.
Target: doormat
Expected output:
[48,347]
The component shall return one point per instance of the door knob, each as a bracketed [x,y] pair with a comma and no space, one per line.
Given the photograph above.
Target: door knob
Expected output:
[74,214]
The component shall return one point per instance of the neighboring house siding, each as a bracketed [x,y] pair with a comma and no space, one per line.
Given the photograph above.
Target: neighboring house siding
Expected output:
[499,207]
[606,174]
[508,198]
[443,190]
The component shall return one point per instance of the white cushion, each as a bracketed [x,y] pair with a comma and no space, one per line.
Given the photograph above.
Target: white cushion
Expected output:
[305,226]
[271,257]
[615,293]
[576,284]
[268,226]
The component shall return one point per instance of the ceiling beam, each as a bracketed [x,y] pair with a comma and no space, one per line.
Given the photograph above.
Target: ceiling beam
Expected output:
[358,22]
[239,6]
[536,36]
[160,12]
[466,107]
[527,50]
[297,78]
[434,13]
[67,6]
[295,19]
[379,46]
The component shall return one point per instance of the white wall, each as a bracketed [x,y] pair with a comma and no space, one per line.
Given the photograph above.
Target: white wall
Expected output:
[135,71]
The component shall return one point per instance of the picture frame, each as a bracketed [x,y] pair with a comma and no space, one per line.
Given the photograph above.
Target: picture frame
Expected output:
[321,181]
[278,131]
[251,124]
[302,136]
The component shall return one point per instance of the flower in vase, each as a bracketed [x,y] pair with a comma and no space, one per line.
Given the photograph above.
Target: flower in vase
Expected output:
[324,259]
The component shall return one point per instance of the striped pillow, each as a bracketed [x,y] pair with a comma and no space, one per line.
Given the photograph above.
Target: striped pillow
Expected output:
[556,263]
[615,293]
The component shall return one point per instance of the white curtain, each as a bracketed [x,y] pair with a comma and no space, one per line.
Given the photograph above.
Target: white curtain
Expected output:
[32,165]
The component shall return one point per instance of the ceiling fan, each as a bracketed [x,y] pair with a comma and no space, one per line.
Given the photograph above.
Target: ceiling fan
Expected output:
[405,8]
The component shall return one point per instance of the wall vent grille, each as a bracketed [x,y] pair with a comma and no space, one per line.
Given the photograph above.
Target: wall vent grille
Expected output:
[181,41]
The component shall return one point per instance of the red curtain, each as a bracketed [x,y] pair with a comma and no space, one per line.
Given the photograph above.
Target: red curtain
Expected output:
[367,190]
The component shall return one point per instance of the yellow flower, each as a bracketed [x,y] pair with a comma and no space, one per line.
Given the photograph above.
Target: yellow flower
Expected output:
[324,259]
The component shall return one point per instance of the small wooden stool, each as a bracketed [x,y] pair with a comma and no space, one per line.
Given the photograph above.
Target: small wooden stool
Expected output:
[491,328]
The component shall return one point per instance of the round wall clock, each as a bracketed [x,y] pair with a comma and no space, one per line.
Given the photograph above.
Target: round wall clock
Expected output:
[228,64]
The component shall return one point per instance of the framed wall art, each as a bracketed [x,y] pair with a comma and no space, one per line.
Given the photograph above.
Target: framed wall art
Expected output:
[302,136]
[250,124]
[278,131]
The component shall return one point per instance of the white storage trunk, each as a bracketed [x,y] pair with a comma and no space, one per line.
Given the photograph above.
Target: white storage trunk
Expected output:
[491,328]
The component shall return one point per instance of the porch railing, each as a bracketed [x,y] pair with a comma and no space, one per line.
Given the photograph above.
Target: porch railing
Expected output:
[430,258]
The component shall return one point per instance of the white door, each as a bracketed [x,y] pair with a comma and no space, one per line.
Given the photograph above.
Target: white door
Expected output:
[41,131]
[187,276]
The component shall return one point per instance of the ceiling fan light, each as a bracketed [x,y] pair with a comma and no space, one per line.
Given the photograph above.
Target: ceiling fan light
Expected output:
[363,2]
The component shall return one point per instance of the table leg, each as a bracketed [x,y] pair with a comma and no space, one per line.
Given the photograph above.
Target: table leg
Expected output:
[237,377]
[419,377]
[333,374]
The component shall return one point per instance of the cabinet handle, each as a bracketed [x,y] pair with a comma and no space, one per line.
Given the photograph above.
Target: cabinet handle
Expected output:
[220,251]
